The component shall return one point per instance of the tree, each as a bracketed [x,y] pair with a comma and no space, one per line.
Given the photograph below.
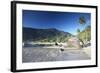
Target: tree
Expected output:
[81,35]
[78,33]
[85,36]
[78,30]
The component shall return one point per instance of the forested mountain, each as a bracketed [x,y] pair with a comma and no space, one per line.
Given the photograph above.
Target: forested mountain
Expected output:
[45,35]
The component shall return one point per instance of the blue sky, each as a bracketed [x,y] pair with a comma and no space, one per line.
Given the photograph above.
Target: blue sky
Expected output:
[64,21]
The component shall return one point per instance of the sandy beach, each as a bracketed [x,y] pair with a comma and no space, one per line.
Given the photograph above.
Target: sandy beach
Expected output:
[43,54]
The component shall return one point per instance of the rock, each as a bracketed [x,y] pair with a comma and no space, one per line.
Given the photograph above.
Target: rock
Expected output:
[56,44]
[62,49]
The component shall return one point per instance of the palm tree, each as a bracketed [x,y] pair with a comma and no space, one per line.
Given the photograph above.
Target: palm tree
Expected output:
[82,20]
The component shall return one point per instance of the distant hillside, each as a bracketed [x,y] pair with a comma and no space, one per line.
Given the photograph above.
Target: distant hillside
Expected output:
[45,35]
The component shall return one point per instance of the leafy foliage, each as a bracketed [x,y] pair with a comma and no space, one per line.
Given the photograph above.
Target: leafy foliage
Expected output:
[82,20]
[85,35]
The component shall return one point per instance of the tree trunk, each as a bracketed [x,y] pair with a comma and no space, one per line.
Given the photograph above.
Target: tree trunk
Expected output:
[82,42]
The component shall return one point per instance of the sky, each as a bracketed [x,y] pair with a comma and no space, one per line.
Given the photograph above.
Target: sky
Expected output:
[64,21]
